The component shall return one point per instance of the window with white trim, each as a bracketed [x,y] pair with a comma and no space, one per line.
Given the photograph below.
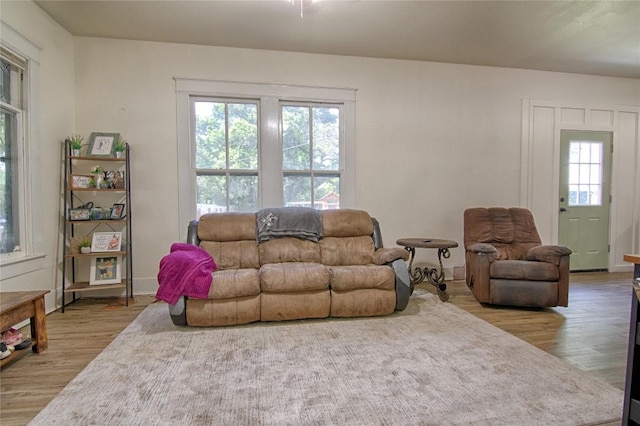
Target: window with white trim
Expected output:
[245,146]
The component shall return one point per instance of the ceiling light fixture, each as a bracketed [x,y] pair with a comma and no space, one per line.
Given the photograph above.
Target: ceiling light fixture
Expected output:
[302,2]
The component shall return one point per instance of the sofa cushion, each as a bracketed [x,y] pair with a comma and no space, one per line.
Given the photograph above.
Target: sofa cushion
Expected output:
[235,283]
[208,313]
[524,270]
[355,277]
[293,276]
[346,223]
[289,250]
[346,251]
[227,227]
[363,302]
[233,254]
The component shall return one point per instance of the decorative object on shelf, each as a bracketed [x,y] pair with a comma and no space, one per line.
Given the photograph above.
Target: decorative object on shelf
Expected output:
[119,145]
[101,144]
[81,181]
[115,179]
[75,142]
[106,270]
[98,175]
[79,214]
[98,213]
[106,241]
[117,212]
[85,245]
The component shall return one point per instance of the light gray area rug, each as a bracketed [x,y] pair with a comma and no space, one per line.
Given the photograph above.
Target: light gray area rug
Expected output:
[433,364]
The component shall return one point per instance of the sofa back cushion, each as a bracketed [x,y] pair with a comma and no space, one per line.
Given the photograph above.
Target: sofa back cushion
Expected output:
[512,231]
[288,250]
[227,227]
[346,223]
[230,238]
[346,251]
[347,238]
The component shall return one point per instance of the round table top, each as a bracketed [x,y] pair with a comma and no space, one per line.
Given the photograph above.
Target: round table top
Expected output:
[426,243]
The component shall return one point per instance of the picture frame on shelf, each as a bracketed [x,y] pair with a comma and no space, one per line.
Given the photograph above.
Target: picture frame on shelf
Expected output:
[101,144]
[106,270]
[115,178]
[117,211]
[80,181]
[106,241]
[79,214]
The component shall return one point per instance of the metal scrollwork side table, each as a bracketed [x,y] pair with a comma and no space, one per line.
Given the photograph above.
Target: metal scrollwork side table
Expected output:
[433,275]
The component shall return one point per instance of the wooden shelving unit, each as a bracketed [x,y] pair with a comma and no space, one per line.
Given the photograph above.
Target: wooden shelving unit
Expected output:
[75,278]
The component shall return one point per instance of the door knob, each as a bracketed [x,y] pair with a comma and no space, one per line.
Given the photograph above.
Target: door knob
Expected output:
[562,199]
[562,209]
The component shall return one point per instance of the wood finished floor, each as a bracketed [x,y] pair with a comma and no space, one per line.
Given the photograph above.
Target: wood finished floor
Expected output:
[590,334]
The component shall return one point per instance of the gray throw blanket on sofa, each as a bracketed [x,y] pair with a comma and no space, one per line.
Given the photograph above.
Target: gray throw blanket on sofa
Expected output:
[281,222]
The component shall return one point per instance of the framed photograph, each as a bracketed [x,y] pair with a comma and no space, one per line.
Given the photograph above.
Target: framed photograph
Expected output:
[106,241]
[106,270]
[80,181]
[79,214]
[101,144]
[117,212]
[115,179]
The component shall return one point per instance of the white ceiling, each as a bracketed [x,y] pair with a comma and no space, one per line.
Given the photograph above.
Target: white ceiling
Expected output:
[587,37]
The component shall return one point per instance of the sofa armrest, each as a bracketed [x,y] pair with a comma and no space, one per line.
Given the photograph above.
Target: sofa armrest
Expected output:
[404,286]
[382,256]
[548,253]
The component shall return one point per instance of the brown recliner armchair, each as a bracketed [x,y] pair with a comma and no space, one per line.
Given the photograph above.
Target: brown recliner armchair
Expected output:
[506,263]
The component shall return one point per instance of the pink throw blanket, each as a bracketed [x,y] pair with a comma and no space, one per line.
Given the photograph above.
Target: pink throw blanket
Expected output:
[186,270]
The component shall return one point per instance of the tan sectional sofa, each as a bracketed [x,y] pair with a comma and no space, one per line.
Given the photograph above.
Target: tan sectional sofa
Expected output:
[346,273]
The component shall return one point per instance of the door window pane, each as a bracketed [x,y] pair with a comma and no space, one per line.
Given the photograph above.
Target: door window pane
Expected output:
[585,173]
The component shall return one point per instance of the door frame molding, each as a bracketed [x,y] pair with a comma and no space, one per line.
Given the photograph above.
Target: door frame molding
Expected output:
[542,121]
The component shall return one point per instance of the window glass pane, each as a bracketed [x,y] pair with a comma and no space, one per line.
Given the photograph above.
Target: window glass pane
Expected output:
[596,153]
[297,191]
[211,194]
[585,173]
[595,197]
[9,237]
[585,152]
[596,174]
[296,147]
[243,136]
[326,138]
[210,135]
[574,152]
[5,92]
[326,192]
[243,193]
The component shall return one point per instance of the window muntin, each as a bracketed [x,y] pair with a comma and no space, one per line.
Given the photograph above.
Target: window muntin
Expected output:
[226,155]
[311,141]
[585,173]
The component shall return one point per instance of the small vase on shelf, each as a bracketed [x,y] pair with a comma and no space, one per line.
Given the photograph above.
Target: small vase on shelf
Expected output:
[85,250]
[75,152]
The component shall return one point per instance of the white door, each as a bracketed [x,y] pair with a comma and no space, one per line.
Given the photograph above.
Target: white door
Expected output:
[585,170]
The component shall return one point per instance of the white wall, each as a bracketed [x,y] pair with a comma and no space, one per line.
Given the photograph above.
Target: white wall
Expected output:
[432,139]
[55,121]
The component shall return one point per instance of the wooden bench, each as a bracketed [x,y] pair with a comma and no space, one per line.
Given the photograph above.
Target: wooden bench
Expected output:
[17,306]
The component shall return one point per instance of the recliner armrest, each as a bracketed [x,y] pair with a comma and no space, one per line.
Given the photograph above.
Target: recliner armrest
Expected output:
[383,256]
[548,253]
[484,249]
